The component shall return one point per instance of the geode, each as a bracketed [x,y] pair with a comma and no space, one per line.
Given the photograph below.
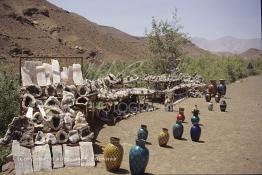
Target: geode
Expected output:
[61,137]
[52,101]
[73,136]
[34,90]
[50,90]
[40,138]
[51,139]
[28,101]
[83,90]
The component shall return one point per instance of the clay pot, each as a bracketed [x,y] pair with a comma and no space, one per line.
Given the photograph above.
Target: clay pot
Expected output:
[195,132]
[217,97]
[178,130]
[138,157]
[163,137]
[212,87]
[195,111]
[210,106]
[221,88]
[208,97]
[142,132]
[113,154]
[195,119]
[223,106]
[181,115]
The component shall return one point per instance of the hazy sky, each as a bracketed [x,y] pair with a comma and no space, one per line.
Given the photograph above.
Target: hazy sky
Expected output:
[210,19]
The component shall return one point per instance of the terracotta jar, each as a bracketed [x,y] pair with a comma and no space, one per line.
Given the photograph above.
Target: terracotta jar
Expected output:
[195,132]
[210,106]
[138,157]
[163,137]
[223,106]
[181,115]
[208,97]
[212,87]
[217,97]
[195,111]
[113,154]
[178,130]
[142,132]
[221,88]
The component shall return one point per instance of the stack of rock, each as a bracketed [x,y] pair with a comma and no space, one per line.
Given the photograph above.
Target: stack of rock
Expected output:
[49,106]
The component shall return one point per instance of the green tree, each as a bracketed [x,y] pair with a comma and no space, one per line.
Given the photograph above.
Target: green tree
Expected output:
[165,40]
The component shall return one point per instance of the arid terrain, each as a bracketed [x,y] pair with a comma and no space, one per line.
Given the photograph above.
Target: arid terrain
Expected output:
[230,142]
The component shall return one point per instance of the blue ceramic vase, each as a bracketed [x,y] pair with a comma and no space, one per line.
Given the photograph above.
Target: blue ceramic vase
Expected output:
[178,130]
[142,132]
[195,132]
[195,119]
[138,157]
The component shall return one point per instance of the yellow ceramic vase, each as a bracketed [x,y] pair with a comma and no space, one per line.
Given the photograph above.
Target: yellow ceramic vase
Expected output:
[113,154]
[163,137]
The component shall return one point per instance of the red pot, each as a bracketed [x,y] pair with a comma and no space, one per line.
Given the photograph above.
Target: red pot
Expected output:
[180,117]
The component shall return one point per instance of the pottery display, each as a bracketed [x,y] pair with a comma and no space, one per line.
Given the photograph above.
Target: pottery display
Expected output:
[195,132]
[208,97]
[217,97]
[178,130]
[212,87]
[138,157]
[142,132]
[195,119]
[210,106]
[181,115]
[195,111]
[163,137]
[221,88]
[113,154]
[223,106]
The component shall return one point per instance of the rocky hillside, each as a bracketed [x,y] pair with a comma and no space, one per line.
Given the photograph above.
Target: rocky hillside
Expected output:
[39,28]
[252,53]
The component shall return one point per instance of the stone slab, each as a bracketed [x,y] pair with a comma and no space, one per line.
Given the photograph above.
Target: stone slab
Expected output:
[56,71]
[48,73]
[70,75]
[77,74]
[58,159]
[87,154]
[64,75]
[26,78]
[42,160]
[71,156]
[40,76]
[22,159]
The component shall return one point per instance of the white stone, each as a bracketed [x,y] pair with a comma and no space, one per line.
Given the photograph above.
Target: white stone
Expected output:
[48,73]
[42,160]
[87,154]
[70,75]
[56,71]
[22,158]
[58,159]
[41,75]
[71,156]
[77,74]
[26,78]
[64,75]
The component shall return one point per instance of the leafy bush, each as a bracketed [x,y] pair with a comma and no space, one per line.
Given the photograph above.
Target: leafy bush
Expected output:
[211,67]
[3,153]
[149,66]
[9,102]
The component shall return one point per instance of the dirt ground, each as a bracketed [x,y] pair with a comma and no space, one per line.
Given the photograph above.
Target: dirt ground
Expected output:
[230,142]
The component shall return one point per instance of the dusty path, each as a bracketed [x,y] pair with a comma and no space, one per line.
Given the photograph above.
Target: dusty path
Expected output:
[231,141]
